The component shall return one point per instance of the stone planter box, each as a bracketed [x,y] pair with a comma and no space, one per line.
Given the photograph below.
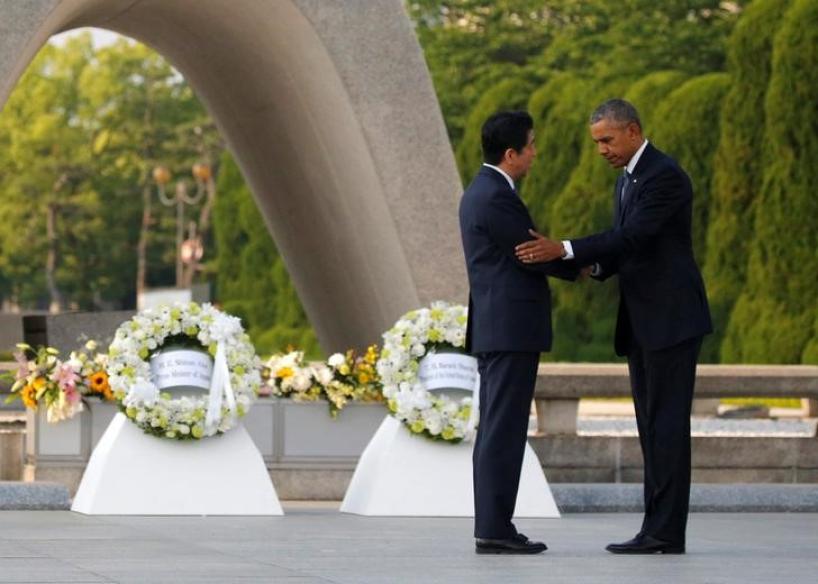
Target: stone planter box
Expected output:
[12,437]
[291,436]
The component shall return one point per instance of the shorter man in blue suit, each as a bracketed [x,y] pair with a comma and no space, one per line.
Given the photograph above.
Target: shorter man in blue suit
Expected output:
[509,325]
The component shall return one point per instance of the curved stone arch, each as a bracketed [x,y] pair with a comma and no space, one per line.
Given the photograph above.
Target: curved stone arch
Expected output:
[330,112]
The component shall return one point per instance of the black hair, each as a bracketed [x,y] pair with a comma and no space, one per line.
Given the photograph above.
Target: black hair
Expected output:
[617,110]
[502,131]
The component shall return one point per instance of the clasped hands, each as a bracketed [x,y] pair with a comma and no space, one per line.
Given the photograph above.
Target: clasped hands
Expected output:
[539,249]
[542,249]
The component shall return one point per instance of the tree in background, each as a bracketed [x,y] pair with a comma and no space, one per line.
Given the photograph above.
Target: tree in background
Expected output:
[737,165]
[112,117]
[145,115]
[471,45]
[81,135]
[559,127]
[775,316]
[46,213]
[686,127]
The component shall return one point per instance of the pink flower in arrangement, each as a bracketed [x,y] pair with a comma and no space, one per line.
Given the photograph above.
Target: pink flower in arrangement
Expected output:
[72,396]
[66,378]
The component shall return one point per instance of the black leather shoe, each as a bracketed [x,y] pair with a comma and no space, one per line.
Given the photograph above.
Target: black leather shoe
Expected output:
[519,544]
[645,544]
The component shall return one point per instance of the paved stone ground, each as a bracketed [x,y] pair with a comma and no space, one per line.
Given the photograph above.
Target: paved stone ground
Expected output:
[315,544]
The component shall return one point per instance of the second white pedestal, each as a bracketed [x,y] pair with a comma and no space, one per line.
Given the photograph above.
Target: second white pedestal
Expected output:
[131,473]
[400,474]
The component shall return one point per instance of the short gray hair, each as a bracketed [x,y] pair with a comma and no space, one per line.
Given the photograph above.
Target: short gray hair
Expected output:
[617,110]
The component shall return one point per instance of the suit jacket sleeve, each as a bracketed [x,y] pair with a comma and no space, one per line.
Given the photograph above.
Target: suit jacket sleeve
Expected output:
[660,200]
[607,267]
[508,223]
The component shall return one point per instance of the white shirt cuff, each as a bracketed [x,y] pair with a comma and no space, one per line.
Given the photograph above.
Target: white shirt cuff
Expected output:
[569,250]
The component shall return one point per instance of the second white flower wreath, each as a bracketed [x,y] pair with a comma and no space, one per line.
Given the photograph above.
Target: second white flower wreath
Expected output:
[417,334]
[234,381]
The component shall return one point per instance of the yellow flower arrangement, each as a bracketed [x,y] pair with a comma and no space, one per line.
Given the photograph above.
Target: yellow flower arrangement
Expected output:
[343,378]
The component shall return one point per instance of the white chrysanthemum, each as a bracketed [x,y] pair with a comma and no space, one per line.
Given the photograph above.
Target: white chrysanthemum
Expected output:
[336,360]
[322,373]
[143,392]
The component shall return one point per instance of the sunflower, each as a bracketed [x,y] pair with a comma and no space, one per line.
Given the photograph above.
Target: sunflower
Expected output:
[29,396]
[99,382]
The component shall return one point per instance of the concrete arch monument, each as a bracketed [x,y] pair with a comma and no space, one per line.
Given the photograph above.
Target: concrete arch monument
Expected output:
[330,112]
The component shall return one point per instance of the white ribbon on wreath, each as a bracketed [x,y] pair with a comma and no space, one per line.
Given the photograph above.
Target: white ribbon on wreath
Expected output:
[220,390]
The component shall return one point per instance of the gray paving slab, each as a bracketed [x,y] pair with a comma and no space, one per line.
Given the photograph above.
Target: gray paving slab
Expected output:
[719,498]
[20,496]
[315,544]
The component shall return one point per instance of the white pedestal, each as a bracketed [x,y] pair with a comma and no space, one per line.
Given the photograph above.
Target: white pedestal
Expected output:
[400,474]
[131,473]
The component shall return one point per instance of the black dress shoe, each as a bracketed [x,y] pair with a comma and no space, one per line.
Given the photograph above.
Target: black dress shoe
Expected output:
[645,544]
[519,544]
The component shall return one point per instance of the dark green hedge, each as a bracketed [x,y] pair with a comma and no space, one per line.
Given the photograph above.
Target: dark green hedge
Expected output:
[775,317]
[738,166]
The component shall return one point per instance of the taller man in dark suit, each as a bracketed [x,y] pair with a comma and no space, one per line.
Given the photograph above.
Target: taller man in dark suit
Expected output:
[663,312]
[509,325]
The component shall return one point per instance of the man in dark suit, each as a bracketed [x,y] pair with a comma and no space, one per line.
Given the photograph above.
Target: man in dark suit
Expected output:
[509,325]
[663,311]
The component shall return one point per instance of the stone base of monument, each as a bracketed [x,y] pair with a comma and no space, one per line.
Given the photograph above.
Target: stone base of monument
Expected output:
[401,474]
[131,473]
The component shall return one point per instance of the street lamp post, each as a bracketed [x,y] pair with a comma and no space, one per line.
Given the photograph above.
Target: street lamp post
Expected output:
[180,198]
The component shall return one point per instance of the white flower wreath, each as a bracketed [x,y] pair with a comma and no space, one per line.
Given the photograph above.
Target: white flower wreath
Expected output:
[419,333]
[235,380]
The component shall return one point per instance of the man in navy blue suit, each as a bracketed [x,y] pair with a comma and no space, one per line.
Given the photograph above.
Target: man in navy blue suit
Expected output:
[509,325]
[663,311]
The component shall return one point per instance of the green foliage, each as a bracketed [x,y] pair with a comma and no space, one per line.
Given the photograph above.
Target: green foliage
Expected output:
[84,129]
[81,134]
[44,162]
[738,168]
[810,355]
[559,126]
[648,92]
[687,128]
[471,45]
[608,39]
[252,280]
[774,318]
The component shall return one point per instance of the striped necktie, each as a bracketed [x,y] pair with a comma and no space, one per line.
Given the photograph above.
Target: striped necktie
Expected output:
[623,193]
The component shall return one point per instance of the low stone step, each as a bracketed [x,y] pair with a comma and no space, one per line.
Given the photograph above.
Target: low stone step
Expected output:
[20,496]
[714,498]
[570,497]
